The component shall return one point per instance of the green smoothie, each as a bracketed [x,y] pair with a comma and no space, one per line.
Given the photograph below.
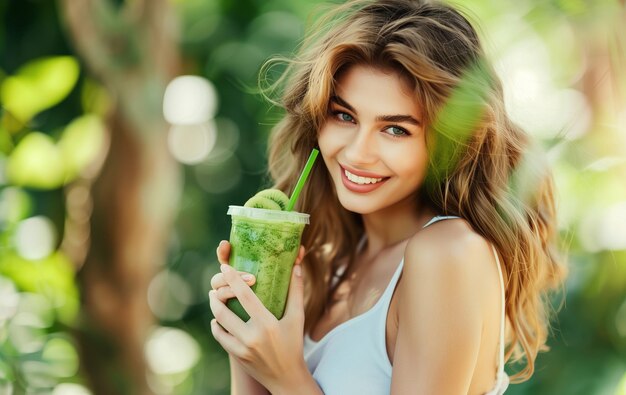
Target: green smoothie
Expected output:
[265,243]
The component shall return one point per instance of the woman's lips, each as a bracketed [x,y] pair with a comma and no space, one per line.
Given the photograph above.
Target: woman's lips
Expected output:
[361,188]
[361,173]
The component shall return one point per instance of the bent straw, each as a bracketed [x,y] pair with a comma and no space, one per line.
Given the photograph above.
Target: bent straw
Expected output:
[303,177]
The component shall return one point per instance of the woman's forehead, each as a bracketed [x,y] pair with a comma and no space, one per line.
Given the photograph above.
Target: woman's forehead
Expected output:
[370,86]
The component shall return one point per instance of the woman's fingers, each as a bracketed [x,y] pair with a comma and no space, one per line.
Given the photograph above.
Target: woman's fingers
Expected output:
[300,255]
[226,318]
[226,340]
[223,252]
[295,299]
[224,293]
[242,291]
[218,281]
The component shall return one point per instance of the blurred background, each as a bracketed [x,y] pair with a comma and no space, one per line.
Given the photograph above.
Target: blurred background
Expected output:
[128,127]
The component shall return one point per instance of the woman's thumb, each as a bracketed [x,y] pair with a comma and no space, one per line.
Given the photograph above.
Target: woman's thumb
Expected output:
[295,299]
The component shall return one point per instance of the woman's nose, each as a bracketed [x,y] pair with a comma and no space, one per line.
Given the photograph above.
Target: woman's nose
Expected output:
[362,149]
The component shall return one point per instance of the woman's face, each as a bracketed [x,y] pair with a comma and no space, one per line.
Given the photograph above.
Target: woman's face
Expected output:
[373,140]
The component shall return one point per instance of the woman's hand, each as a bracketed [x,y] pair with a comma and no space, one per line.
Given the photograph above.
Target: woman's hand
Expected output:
[218,283]
[268,349]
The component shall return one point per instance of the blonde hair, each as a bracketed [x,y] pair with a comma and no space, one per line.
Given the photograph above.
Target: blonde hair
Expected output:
[479,165]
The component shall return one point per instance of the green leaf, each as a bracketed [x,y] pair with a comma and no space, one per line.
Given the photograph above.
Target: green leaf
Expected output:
[457,120]
[51,277]
[80,144]
[39,85]
[16,205]
[36,162]
[94,98]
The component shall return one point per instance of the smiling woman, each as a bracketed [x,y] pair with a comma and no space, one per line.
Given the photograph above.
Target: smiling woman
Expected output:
[416,220]
[372,139]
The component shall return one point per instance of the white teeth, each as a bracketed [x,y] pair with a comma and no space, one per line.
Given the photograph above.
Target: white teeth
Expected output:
[361,180]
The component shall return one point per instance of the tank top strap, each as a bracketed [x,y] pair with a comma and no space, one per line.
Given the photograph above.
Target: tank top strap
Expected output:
[438,218]
[502,313]
[385,298]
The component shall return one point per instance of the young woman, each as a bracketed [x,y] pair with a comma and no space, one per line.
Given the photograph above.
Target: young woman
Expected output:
[430,243]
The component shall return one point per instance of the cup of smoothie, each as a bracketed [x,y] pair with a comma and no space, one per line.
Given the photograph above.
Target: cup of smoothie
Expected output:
[265,242]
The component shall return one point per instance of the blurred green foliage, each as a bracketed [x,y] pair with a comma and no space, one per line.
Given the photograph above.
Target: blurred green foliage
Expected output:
[39,296]
[51,129]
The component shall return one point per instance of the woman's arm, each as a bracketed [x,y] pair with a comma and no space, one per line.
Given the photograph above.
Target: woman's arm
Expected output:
[439,310]
[241,383]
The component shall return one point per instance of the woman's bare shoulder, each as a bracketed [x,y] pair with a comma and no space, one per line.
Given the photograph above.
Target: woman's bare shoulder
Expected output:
[452,253]
[450,242]
[440,301]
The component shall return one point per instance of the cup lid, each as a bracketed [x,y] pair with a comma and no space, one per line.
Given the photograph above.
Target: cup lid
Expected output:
[270,215]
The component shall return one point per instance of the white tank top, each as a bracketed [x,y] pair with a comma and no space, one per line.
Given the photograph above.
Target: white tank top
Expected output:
[352,358]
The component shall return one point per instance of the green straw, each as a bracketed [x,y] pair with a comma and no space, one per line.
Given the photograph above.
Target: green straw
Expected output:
[303,177]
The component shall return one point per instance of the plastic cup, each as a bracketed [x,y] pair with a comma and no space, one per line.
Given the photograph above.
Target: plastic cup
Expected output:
[265,243]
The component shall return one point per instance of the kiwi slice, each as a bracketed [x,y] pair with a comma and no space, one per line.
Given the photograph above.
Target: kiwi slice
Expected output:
[275,195]
[262,202]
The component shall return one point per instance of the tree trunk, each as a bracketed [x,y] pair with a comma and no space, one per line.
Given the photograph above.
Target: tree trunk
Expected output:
[132,51]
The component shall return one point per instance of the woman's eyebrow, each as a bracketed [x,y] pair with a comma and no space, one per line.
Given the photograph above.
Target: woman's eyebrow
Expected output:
[399,118]
[342,103]
[381,118]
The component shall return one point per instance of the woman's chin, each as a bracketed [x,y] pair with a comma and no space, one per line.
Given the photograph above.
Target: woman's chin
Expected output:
[356,206]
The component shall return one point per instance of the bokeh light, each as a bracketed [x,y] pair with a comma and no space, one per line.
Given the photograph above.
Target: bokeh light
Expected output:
[61,356]
[27,332]
[37,375]
[81,144]
[171,353]
[227,141]
[189,100]
[191,144]
[169,295]
[70,389]
[36,162]
[611,228]
[604,228]
[532,99]
[35,238]
[221,170]
[219,176]
[9,300]
[15,204]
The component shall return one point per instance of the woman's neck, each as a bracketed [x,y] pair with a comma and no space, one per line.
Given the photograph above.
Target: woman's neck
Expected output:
[388,227]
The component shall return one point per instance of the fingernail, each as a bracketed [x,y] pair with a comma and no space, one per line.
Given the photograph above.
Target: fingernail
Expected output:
[298,270]
[225,268]
[247,277]
[222,242]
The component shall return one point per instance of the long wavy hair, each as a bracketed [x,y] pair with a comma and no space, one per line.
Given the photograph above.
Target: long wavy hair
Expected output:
[482,167]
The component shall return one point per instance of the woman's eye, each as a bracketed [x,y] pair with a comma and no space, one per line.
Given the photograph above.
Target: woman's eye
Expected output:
[342,116]
[396,131]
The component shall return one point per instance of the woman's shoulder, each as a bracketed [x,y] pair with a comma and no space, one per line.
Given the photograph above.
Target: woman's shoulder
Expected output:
[448,247]
[442,294]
